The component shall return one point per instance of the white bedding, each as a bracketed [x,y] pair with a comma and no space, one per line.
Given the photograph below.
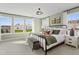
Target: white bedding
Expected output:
[59,38]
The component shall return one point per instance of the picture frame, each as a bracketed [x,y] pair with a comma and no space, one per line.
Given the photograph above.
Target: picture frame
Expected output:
[56,20]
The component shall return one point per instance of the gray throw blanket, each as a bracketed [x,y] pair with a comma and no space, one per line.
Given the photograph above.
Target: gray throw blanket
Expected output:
[50,40]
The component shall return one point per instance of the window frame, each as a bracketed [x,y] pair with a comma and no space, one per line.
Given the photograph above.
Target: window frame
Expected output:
[70,24]
[11,23]
[25,24]
[14,23]
[12,31]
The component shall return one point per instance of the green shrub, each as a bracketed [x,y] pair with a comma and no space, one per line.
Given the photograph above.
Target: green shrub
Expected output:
[29,30]
[18,30]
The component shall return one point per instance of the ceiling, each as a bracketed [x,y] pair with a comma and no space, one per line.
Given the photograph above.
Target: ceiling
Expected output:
[29,9]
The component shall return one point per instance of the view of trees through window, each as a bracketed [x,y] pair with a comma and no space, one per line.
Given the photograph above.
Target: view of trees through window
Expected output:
[28,23]
[5,23]
[19,24]
[73,20]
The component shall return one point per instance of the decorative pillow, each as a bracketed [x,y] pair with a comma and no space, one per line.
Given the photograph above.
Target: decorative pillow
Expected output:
[47,33]
[55,31]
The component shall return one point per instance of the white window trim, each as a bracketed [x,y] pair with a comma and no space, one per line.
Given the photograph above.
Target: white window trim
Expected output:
[12,28]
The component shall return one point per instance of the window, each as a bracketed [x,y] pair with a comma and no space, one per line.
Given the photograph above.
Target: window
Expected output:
[16,24]
[73,20]
[28,23]
[19,25]
[5,23]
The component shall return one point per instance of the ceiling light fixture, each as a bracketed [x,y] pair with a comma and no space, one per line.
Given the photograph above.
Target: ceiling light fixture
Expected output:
[39,12]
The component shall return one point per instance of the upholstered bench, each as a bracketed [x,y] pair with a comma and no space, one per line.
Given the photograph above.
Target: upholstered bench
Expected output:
[33,43]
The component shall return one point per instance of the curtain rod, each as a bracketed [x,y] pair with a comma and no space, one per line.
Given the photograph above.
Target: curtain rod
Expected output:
[71,8]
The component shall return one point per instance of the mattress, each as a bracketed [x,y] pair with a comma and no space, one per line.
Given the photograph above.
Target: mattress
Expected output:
[59,38]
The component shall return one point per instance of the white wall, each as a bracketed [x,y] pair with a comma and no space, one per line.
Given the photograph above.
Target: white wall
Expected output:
[45,22]
[36,25]
[15,36]
[65,20]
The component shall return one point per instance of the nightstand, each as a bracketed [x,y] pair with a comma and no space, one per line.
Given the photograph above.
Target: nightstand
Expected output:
[72,40]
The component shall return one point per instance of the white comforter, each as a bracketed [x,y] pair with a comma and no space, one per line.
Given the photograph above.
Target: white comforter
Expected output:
[59,38]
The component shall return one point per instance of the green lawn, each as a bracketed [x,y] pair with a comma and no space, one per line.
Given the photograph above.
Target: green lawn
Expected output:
[18,30]
[29,30]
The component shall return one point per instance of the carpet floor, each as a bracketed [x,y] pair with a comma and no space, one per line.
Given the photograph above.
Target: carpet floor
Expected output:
[20,47]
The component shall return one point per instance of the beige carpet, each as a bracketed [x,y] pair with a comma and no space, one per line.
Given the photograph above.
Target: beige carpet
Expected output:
[18,47]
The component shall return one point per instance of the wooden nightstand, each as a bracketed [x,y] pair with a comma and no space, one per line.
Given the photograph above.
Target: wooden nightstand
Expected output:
[72,40]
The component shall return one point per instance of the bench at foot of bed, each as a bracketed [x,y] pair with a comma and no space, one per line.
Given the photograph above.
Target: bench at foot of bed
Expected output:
[33,43]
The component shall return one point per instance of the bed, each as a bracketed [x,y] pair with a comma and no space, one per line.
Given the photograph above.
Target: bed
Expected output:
[60,36]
